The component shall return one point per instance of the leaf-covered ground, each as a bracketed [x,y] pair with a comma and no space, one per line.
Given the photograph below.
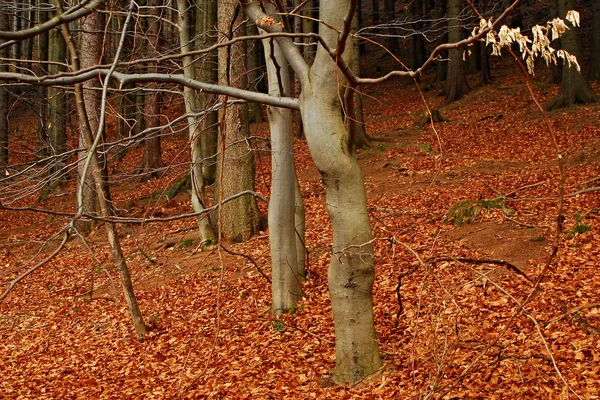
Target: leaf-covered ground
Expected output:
[65,331]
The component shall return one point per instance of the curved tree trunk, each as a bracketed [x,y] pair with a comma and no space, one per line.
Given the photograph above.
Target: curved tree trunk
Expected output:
[286,274]
[362,140]
[198,198]
[351,271]
[456,81]
[574,88]
[240,218]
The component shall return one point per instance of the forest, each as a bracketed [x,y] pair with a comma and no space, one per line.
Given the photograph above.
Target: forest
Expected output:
[300,199]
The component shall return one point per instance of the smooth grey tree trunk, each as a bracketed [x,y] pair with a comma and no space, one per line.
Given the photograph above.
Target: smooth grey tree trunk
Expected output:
[286,271]
[42,43]
[362,140]
[574,88]
[351,270]
[198,197]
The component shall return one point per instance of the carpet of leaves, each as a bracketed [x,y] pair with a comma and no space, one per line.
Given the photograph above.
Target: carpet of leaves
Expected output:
[65,330]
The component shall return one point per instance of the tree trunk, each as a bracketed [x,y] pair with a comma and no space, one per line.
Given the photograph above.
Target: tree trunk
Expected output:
[207,71]
[574,88]
[151,160]
[390,18]
[351,271]
[90,54]
[594,72]
[57,115]
[555,68]
[362,140]
[198,198]
[98,174]
[4,98]
[456,81]
[439,14]
[43,144]
[240,218]
[286,274]
[417,42]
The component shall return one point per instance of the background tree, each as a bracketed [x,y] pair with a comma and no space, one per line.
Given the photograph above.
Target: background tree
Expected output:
[240,218]
[4,97]
[456,80]
[594,72]
[574,88]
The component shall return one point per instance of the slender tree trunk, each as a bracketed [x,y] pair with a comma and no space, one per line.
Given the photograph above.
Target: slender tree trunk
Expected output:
[574,88]
[555,68]
[57,115]
[4,98]
[417,43]
[439,14]
[240,218]
[351,271]
[207,71]
[198,198]
[362,140]
[98,174]
[594,72]
[286,271]
[390,17]
[376,18]
[90,53]
[43,143]
[456,81]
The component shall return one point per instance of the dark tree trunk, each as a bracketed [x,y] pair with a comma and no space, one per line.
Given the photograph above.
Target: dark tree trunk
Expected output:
[417,42]
[376,17]
[390,17]
[574,88]
[439,15]
[555,68]
[57,115]
[594,72]
[4,99]
[207,71]
[456,81]
[42,90]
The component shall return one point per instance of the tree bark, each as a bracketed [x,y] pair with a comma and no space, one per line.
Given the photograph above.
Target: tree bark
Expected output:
[151,160]
[594,72]
[207,71]
[574,88]
[351,271]
[456,81]
[57,115]
[4,98]
[362,140]
[286,271]
[240,218]
[90,54]
[439,14]
[198,198]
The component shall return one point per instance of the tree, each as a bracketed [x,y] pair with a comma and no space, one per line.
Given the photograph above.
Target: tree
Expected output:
[4,98]
[90,54]
[240,218]
[151,160]
[456,80]
[574,88]
[351,270]
[594,72]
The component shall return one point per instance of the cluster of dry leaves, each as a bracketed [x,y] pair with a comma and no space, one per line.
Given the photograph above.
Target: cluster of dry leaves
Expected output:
[461,332]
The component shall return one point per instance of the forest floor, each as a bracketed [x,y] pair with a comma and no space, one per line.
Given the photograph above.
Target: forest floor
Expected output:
[460,333]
